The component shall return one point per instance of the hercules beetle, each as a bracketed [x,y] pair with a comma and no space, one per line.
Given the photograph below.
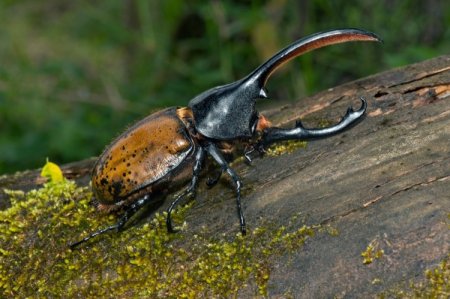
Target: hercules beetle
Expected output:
[169,147]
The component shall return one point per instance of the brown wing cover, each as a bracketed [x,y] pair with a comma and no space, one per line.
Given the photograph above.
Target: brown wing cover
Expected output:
[139,157]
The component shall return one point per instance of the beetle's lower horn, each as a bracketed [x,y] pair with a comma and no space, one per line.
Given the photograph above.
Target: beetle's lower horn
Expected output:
[351,118]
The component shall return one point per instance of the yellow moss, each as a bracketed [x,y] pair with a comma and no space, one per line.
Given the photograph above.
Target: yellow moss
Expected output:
[285,147]
[436,284]
[371,253]
[332,231]
[377,281]
[142,261]
[323,123]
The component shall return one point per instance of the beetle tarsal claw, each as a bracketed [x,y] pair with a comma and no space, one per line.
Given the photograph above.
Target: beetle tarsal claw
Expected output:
[247,154]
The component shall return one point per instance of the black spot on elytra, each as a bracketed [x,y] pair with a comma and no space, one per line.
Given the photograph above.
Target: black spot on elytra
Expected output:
[104,182]
[116,188]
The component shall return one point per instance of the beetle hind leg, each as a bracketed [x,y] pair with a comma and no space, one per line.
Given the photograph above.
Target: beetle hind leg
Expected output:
[129,212]
[351,118]
[189,190]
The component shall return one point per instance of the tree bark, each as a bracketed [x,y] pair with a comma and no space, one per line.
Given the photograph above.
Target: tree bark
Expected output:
[385,182]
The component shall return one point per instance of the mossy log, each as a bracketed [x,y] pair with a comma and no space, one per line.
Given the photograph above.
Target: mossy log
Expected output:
[382,188]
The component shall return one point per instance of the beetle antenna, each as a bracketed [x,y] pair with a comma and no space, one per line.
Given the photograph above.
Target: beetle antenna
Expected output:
[306,44]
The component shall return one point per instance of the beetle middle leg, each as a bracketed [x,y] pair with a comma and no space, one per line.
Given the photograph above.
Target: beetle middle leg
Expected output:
[199,157]
[218,157]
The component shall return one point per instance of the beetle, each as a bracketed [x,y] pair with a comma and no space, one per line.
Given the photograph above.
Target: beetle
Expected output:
[168,148]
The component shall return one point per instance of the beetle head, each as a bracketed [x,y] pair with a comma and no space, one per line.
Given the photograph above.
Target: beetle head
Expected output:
[228,112]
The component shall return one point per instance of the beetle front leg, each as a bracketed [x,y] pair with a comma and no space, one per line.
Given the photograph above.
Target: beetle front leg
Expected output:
[351,118]
[218,157]
[199,157]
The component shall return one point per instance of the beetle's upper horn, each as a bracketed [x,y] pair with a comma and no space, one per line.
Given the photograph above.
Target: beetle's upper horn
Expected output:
[306,44]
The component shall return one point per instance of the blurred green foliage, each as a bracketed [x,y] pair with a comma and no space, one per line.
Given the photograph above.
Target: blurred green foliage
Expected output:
[73,74]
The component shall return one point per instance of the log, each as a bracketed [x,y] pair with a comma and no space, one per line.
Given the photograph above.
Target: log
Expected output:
[383,187]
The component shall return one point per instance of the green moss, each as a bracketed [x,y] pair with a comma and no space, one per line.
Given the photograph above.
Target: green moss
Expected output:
[371,253]
[285,147]
[142,261]
[435,284]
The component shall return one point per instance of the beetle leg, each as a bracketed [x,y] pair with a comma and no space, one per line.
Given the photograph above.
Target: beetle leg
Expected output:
[274,134]
[248,152]
[199,157]
[247,155]
[120,224]
[218,157]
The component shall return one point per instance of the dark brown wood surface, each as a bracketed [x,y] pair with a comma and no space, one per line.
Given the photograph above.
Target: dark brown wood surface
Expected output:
[384,182]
